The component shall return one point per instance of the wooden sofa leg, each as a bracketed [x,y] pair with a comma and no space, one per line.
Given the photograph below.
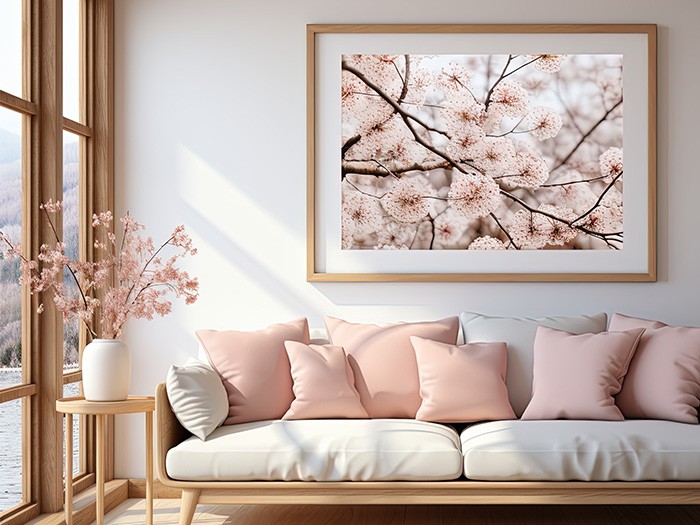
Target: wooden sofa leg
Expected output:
[188,504]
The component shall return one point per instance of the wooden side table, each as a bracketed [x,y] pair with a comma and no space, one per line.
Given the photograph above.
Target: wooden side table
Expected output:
[100,409]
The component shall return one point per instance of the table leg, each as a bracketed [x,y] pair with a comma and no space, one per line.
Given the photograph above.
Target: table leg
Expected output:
[68,508]
[100,469]
[149,468]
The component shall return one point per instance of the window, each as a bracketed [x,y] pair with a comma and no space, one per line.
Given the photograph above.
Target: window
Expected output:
[14,387]
[39,355]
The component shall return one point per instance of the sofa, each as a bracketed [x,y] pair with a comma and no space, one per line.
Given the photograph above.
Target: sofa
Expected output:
[544,459]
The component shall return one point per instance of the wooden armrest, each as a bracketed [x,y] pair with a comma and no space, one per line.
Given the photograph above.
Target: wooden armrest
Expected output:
[169,432]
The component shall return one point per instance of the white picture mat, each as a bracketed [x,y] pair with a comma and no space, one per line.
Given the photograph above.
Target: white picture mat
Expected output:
[329,258]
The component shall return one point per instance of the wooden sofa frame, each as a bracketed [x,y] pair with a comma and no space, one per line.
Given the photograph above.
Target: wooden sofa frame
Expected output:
[461,492]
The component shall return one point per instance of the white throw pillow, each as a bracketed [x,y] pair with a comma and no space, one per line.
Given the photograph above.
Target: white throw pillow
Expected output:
[197,396]
[519,335]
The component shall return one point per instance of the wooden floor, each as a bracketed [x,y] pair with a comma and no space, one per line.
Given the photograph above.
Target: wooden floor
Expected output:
[131,512]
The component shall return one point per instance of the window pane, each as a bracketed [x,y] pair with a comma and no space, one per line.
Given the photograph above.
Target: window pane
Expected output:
[11,46]
[71,177]
[71,59]
[11,226]
[10,454]
[73,390]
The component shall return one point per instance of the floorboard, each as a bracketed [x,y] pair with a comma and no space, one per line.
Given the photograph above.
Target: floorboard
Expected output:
[651,515]
[132,511]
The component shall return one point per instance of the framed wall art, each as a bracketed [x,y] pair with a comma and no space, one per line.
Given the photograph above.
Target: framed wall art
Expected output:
[481,152]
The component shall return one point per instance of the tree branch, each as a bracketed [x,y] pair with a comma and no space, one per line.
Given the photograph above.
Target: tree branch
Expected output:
[585,136]
[361,167]
[349,144]
[521,66]
[487,101]
[404,89]
[600,198]
[350,69]
[493,216]
[75,277]
[605,237]
[554,185]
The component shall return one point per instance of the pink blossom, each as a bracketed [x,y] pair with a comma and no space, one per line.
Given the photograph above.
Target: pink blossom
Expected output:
[389,142]
[560,233]
[577,196]
[463,113]
[474,195]
[454,77]
[449,227]
[532,171]
[51,206]
[607,217]
[408,200]
[143,277]
[544,123]
[611,163]
[510,98]
[367,108]
[611,83]
[102,219]
[465,142]
[487,243]
[495,156]
[530,231]
[549,63]
[394,233]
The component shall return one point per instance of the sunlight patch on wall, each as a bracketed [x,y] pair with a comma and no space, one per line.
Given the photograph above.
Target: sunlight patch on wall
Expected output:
[246,254]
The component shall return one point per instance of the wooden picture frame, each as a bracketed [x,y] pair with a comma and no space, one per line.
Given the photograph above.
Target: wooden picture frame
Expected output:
[629,251]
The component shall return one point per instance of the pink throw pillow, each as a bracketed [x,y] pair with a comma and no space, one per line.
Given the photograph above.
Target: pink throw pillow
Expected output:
[324,385]
[462,383]
[576,376]
[254,368]
[383,361]
[663,381]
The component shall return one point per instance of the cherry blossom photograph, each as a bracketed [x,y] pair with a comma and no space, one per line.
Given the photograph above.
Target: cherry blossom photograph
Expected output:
[482,152]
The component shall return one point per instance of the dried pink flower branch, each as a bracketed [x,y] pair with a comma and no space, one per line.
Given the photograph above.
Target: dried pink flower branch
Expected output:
[143,277]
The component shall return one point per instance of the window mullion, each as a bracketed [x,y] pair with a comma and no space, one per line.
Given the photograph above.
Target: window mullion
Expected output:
[46,183]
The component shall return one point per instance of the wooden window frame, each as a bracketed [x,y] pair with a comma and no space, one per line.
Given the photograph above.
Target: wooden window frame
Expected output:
[43,125]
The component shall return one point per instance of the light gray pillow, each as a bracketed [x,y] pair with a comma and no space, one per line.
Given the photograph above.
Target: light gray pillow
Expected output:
[519,335]
[197,396]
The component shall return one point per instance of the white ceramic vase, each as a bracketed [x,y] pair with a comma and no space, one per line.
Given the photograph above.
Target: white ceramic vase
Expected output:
[106,370]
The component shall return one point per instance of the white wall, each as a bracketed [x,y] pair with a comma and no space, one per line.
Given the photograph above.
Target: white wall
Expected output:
[211,113]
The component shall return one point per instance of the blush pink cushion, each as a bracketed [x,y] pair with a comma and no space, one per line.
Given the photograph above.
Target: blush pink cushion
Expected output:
[324,385]
[462,383]
[383,361]
[576,376]
[663,381]
[254,368]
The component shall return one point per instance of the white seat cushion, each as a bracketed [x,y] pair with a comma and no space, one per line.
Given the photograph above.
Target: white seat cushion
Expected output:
[632,450]
[320,450]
